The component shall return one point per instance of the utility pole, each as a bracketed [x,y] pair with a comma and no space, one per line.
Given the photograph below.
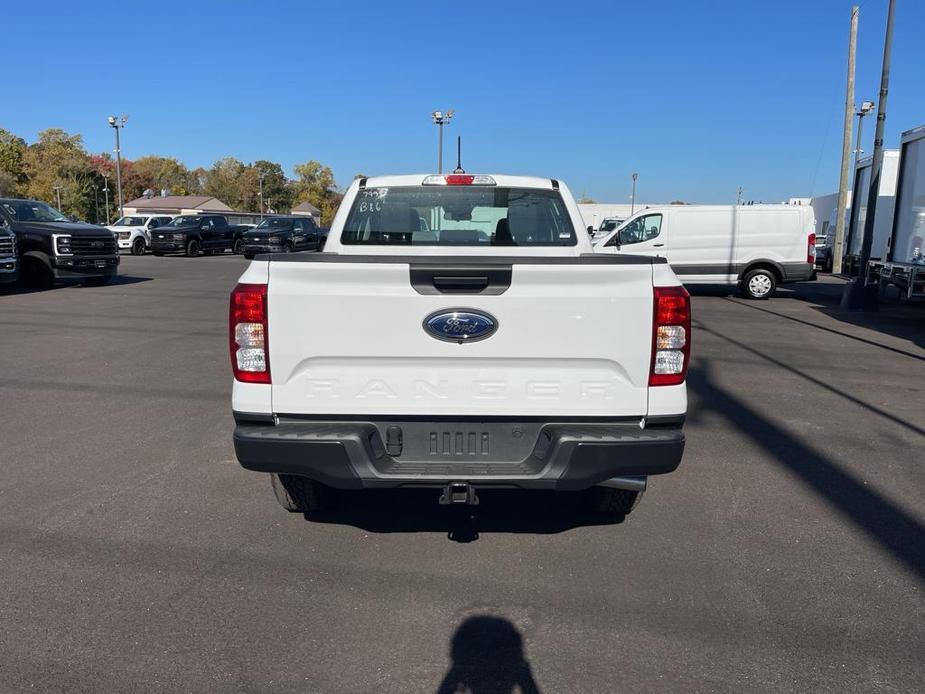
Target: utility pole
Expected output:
[838,247]
[633,196]
[858,295]
[739,196]
[57,189]
[866,107]
[96,202]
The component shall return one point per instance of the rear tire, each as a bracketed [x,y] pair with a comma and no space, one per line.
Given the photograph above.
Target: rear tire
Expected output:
[249,256]
[612,502]
[238,247]
[759,284]
[193,248]
[300,494]
[139,246]
[157,255]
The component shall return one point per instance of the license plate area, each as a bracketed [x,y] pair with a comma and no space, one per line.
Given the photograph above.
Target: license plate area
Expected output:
[99,263]
[463,441]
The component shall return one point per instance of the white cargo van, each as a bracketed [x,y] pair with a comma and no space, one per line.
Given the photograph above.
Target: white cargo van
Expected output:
[755,247]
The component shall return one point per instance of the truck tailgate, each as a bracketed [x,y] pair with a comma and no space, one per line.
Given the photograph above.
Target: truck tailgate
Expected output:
[346,337]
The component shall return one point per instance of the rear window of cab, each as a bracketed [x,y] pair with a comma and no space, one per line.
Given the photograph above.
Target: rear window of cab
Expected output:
[458,216]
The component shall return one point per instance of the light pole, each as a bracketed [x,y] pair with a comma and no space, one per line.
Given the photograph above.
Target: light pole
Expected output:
[106,196]
[117,124]
[866,108]
[261,176]
[96,202]
[441,118]
[57,190]
[633,196]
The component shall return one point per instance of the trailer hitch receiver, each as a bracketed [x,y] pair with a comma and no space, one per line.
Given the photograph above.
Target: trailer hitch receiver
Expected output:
[461,493]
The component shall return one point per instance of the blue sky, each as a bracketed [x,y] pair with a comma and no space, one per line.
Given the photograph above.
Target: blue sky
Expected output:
[699,98]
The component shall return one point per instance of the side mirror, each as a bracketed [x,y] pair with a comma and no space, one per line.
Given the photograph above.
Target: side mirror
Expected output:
[590,231]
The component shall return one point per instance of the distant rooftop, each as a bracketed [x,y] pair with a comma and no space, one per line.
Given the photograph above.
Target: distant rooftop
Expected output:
[180,202]
[306,207]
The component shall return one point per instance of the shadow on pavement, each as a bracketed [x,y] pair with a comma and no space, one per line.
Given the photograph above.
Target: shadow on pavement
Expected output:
[118,280]
[815,381]
[488,658]
[891,527]
[903,320]
[499,510]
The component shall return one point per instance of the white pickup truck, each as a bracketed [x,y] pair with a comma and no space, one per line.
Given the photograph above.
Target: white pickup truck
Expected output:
[459,333]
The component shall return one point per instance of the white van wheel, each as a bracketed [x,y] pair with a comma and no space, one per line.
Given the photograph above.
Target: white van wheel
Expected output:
[759,284]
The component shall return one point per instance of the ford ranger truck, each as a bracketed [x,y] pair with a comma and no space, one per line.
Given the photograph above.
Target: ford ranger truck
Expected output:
[459,333]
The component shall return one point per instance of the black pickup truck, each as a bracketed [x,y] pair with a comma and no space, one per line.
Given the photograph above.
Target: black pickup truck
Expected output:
[50,246]
[283,234]
[193,235]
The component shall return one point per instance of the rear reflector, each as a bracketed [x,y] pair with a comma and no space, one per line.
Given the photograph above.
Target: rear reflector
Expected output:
[811,249]
[671,336]
[247,333]
[459,180]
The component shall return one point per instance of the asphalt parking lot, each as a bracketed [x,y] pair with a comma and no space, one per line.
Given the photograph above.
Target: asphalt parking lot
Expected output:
[786,554]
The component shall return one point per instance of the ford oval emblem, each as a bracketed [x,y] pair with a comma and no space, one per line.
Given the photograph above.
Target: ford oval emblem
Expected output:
[460,325]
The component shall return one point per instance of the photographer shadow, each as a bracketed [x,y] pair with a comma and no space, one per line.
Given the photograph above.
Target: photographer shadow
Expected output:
[488,658]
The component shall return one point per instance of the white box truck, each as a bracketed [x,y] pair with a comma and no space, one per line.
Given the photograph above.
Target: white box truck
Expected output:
[755,247]
[883,223]
[904,266]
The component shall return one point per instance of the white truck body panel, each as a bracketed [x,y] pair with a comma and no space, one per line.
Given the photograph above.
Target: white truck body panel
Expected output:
[886,199]
[908,228]
[710,244]
[335,348]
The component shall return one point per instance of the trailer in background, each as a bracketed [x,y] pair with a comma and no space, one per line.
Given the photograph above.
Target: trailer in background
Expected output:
[904,266]
[883,223]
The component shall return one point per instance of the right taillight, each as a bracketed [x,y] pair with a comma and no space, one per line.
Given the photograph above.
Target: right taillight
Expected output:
[671,336]
[247,333]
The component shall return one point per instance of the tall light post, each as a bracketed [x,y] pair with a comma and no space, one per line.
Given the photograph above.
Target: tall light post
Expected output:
[96,202]
[117,124]
[106,196]
[261,176]
[441,118]
[633,196]
[57,190]
[866,108]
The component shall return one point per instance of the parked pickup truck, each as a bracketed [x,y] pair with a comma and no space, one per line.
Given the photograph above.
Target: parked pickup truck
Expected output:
[51,247]
[133,232]
[282,234]
[194,234]
[459,333]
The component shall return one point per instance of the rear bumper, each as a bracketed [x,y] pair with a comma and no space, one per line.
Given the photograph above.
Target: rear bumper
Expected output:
[798,272]
[554,456]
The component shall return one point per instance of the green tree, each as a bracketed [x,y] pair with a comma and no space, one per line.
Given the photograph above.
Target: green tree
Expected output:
[315,184]
[227,180]
[12,169]
[59,159]
[277,192]
[156,173]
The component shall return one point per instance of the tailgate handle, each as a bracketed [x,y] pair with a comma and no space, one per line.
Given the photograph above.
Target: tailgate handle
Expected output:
[460,284]
[461,279]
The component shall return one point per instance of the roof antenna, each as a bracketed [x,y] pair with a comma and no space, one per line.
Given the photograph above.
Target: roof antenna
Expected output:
[459,169]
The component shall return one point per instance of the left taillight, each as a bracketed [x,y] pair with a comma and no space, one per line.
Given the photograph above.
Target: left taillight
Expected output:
[247,333]
[671,336]
[811,249]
